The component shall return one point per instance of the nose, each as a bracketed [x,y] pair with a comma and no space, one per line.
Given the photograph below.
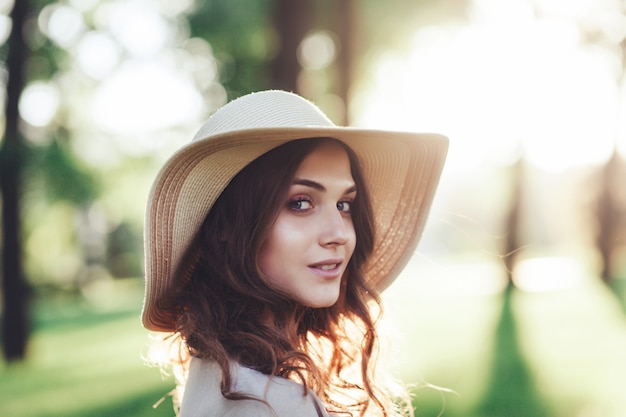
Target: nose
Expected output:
[335,229]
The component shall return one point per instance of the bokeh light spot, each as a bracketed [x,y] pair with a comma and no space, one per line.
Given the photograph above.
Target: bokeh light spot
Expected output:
[138,26]
[97,54]
[143,97]
[39,103]
[317,50]
[62,24]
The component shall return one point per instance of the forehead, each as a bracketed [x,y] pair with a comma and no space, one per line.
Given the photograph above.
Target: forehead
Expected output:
[328,160]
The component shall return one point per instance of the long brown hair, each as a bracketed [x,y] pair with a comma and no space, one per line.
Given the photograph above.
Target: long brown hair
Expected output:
[224,304]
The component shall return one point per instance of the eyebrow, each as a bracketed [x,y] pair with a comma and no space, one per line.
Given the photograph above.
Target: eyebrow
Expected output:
[317,186]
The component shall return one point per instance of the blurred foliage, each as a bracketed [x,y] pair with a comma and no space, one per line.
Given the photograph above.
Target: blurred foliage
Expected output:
[61,187]
[122,259]
[45,57]
[241,35]
[390,25]
[63,176]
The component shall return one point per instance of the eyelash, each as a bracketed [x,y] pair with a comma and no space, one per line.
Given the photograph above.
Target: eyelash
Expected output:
[349,203]
[294,203]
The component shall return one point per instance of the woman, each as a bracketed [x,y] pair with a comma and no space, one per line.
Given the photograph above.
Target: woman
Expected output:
[267,242]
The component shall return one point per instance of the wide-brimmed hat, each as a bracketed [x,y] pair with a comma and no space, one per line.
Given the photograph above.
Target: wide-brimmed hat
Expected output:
[401,171]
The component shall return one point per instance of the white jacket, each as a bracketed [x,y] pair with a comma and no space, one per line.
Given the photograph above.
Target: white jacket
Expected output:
[203,397]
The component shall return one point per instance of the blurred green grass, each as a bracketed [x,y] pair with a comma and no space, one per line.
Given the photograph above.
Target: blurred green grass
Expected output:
[84,360]
[558,353]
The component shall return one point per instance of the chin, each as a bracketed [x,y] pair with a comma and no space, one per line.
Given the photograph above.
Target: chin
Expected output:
[322,303]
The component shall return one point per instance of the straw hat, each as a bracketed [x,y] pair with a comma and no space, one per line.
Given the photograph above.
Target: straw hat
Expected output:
[401,170]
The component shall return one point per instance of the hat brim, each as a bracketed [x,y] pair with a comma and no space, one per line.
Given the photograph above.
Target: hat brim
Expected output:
[401,171]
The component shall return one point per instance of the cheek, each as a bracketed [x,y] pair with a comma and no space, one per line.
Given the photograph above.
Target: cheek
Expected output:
[284,236]
[281,243]
[270,264]
[287,231]
[352,242]
[351,231]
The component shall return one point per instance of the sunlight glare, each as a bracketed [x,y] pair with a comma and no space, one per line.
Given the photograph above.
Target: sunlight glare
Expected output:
[427,277]
[143,97]
[503,80]
[498,12]
[621,131]
[175,8]
[138,26]
[548,274]
[571,9]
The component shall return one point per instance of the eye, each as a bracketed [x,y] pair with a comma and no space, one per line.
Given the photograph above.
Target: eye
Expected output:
[344,206]
[300,204]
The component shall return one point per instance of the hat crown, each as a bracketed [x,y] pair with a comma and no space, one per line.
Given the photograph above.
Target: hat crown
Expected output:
[266,109]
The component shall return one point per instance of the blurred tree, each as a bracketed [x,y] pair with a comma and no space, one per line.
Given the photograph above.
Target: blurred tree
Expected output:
[610,212]
[511,390]
[258,44]
[242,38]
[512,242]
[609,215]
[14,287]
[292,21]
[346,32]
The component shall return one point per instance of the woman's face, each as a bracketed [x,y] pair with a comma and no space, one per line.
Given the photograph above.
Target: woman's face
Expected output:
[313,238]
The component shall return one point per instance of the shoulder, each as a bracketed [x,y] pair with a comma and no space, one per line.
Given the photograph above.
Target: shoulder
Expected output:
[286,397]
[247,408]
[274,396]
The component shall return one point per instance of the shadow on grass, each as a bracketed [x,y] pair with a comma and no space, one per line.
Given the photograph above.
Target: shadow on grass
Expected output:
[511,391]
[618,286]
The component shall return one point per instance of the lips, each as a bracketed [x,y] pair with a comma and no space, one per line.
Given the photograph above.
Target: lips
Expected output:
[327,263]
[329,268]
[326,267]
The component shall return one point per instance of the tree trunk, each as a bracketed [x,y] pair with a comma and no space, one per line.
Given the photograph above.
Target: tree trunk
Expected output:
[608,215]
[512,242]
[345,31]
[292,21]
[14,288]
